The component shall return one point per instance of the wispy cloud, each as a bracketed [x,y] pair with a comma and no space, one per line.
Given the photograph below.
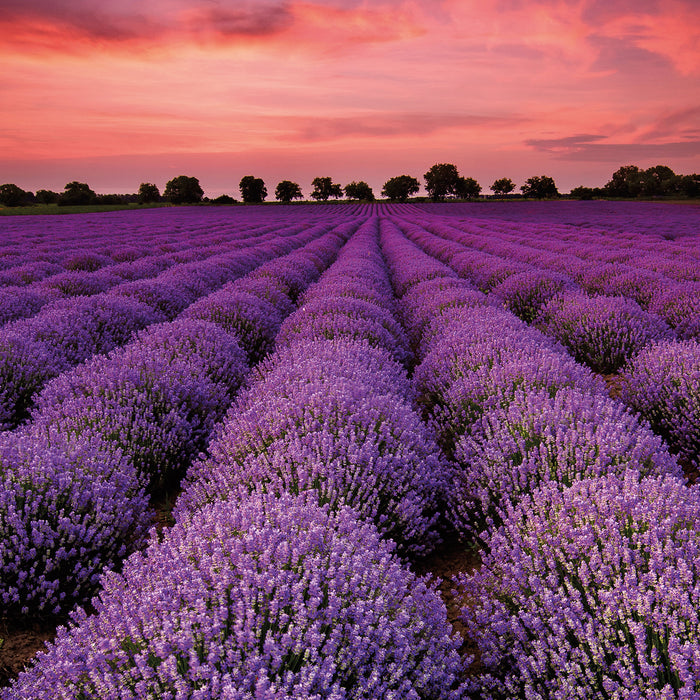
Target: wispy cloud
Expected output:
[595,148]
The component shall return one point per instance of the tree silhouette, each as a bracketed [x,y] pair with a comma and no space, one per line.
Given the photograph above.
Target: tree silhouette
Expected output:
[76,193]
[183,190]
[13,196]
[400,188]
[539,187]
[442,179]
[287,190]
[502,186]
[148,193]
[359,190]
[467,188]
[626,182]
[324,188]
[253,190]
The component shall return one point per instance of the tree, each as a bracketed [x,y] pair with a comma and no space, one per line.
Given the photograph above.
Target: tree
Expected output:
[183,190]
[46,197]
[148,193]
[659,180]
[359,190]
[253,190]
[582,192]
[400,188]
[442,179]
[13,196]
[467,188]
[539,187]
[689,185]
[324,188]
[223,199]
[76,193]
[502,186]
[626,182]
[287,190]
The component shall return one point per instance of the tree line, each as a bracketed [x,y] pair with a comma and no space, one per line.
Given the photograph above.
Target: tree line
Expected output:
[442,181]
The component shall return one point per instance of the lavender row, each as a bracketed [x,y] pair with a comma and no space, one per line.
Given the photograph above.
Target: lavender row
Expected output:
[506,402]
[259,592]
[66,333]
[583,514]
[113,430]
[331,410]
[601,331]
[610,334]
[24,301]
[522,274]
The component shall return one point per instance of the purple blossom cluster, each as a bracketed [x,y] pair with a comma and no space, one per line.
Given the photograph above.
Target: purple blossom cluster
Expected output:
[591,591]
[602,331]
[538,439]
[151,404]
[331,412]
[267,598]
[68,508]
[662,383]
[525,293]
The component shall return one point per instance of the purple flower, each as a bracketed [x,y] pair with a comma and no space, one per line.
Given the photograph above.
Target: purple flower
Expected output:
[272,597]
[603,332]
[537,439]
[336,436]
[591,591]
[525,292]
[662,382]
[68,509]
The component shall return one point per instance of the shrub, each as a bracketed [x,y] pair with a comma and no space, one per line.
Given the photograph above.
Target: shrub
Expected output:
[538,439]
[268,598]
[591,591]
[344,440]
[602,332]
[158,411]
[68,509]
[663,383]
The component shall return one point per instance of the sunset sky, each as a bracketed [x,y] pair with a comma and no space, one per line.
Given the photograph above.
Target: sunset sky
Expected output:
[118,93]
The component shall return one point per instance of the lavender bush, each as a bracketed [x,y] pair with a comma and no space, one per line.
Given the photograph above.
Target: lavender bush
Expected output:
[525,292]
[537,439]
[602,332]
[266,598]
[158,411]
[340,439]
[663,383]
[493,386]
[326,361]
[67,510]
[591,591]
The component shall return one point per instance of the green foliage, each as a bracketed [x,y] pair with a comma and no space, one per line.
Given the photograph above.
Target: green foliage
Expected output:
[400,188]
[46,197]
[148,193]
[253,190]
[441,180]
[223,199]
[287,190]
[359,190]
[502,186]
[539,187]
[183,190]
[13,196]
[76,193]
[324,188]
[467,188]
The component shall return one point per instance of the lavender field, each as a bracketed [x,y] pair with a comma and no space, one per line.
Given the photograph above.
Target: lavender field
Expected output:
[234,440]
